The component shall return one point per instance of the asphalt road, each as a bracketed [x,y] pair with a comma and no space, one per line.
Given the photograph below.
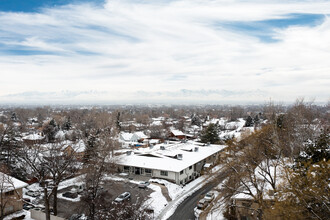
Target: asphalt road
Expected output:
[185,211]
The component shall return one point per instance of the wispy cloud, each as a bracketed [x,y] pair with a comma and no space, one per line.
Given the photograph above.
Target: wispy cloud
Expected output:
[281,49]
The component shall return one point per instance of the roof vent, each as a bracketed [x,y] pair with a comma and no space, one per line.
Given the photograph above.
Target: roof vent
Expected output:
[162,147]
[179,156]
[196,149]
[208,144]
[128,152]
[151,146]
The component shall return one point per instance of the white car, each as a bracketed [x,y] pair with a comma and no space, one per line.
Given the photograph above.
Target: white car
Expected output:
[122,197]
[33,193]
[144,184]
[209,196]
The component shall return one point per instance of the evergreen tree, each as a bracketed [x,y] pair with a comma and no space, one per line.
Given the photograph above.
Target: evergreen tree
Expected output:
[249,121]
[256,119]
[317,151]
[67,124]
[14,117]
[50,131]
[195,120]
[210,134]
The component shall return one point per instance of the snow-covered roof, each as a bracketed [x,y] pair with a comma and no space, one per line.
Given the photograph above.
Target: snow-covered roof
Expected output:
[126,136]
[140,135]
[156,123]
[33,137]
[162,156]
[177,132]
[60,135]
[9,183]
[79,147]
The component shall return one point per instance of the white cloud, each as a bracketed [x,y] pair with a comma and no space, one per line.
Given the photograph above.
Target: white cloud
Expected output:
[124,47]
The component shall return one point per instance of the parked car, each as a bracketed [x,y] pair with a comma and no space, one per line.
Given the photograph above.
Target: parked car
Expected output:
[123,197]
[33,193]
[209,196]
[26,200]
[144,184]
[27,206]
[71,195]
[79,188]
[75,217]
[202,204]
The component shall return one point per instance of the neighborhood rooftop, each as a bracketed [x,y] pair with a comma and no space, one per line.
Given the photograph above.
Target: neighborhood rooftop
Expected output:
[170,157]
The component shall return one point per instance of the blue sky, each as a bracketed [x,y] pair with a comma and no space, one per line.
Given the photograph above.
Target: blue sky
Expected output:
[38,5]
[121,51]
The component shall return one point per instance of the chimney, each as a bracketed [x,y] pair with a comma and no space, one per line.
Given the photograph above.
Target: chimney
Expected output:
[162,147]
[196,149]
[179,156]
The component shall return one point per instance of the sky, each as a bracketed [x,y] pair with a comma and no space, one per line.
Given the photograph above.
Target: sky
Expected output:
[164,51]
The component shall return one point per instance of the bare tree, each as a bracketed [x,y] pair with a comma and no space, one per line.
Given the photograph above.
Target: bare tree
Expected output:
[96,167]
[49,161]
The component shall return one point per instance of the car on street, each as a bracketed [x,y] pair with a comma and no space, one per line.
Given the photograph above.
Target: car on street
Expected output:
[143,184]
[202,204]
[123,197]
[209,196]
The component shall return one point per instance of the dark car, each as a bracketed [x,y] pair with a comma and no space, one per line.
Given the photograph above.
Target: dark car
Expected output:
[70,195]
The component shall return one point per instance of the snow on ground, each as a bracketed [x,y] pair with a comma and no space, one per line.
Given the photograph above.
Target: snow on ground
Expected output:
[216,214]
[174,190]
[115,178]
[70,182]
[20,213]
[157,201]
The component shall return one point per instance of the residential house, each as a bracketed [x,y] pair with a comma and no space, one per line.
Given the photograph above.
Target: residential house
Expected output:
[176,162]
[177,134]
[32,139]
[11,191]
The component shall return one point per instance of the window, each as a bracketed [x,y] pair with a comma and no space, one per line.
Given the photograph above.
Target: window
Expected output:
[163,173]
[126,169]
[147,171]
[246,204]
[190,167]
[10,193]
[189,177]
[9,209]
[181,172]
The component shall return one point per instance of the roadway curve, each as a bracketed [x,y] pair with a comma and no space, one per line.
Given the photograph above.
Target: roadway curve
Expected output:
[185,211]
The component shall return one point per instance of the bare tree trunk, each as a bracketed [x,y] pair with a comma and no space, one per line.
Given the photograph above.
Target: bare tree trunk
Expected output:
[55,200]
[46,201]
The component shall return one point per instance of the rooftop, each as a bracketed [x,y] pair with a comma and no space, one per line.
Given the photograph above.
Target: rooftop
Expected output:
[164,156]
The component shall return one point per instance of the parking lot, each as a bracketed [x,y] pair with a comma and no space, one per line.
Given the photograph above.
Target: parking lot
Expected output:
[111,188]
